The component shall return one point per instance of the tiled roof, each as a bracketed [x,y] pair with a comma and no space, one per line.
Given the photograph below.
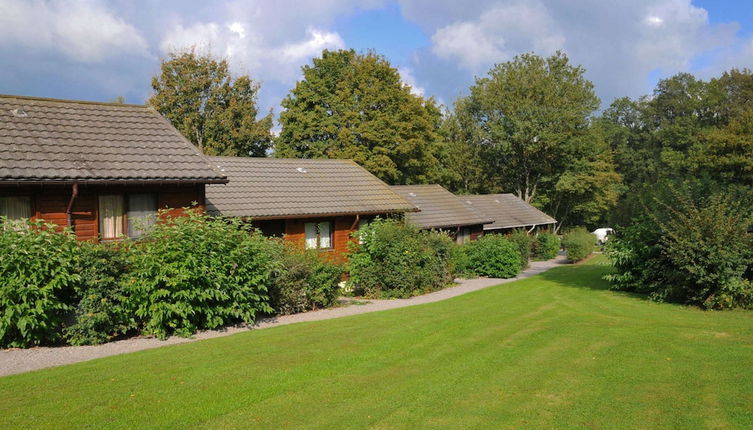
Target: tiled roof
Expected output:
[43,140]
[439,207]
[285,187]
[507,211]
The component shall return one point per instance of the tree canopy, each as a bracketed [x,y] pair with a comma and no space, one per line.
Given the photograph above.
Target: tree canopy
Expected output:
[528,124]
[214,110]
[351,105]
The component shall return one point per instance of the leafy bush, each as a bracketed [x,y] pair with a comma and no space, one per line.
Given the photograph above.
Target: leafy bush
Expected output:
[38,273]
[495,256]
[693,247]
[579,243]
[196,272]
[101,312]
[304,282]
[524,243]
[461,262]
[547,246]
[398,260]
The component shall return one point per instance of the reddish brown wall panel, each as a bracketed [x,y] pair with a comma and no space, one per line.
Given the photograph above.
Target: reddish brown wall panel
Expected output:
[49,202]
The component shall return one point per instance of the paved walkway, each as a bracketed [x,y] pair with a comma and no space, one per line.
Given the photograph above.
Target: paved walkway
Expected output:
[24,360]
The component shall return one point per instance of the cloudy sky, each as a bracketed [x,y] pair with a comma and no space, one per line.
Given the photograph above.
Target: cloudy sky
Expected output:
[98,50]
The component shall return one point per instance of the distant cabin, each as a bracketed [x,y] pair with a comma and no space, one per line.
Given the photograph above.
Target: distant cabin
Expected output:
[102,169]
[439,209]
[508,212]
[314,203]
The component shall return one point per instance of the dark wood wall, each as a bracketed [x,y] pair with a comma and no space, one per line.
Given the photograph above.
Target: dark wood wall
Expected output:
[49,202]
[294,232]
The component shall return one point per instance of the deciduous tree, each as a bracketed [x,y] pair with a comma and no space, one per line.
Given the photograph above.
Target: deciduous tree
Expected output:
[211,108]
[355,106]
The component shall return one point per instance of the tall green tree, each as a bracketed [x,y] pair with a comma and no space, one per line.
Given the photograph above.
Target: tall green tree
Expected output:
[531,123]
[211,108]
[462,157]
[351,105]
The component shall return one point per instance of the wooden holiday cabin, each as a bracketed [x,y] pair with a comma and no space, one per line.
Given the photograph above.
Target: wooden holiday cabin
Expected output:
[508,213]
[102,169]
[442,210]
[316,204]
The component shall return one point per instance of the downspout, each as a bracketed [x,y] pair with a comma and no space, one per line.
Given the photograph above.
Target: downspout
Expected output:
[69,210]
[531,230]
[355,223]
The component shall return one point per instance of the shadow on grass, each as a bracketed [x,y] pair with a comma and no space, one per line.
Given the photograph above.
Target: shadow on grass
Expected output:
[587,275]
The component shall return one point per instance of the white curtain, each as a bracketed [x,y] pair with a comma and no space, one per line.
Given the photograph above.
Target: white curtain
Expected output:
[325,237]
[310,228]
[15,208]
[111,216]
[142,213]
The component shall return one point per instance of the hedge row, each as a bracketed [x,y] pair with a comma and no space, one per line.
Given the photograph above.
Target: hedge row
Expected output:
[190,273]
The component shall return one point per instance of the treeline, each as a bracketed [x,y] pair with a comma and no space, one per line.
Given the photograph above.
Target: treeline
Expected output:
[530,126]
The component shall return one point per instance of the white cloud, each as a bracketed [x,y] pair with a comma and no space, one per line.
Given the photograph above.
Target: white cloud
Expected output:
[498,34]
[620,44]
[317,41]
[406,75]
[83,30]
[248,51]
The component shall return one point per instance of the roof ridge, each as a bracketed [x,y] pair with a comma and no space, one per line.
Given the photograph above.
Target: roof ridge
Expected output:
[83,102]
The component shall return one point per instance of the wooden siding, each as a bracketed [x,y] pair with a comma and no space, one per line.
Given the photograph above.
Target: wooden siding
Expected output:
[49,202]
[294,232]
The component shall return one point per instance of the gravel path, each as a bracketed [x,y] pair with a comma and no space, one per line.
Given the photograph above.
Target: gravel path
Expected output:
[24,360]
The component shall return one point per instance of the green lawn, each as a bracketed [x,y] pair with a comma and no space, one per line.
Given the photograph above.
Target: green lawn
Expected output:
[554,351]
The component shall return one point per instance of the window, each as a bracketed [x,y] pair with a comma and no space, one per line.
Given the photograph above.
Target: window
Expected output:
[133,215]
[15,208]
[142,213]
[111,216]
[318,235]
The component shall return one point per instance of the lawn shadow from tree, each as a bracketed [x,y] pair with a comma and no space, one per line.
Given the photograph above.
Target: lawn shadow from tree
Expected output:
[587,275]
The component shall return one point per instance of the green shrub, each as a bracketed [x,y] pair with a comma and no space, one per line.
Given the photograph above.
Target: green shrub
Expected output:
[101,312]
[304,282]
[524,243]
[495,256]
[197,272]
[579,243]
[694,247]
[461,262]
[38,275]
[398,260]
[547,246]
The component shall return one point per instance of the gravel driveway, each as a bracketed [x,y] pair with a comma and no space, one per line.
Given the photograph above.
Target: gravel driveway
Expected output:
[24,360]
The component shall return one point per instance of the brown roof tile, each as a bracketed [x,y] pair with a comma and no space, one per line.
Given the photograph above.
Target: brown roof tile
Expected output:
[439,207]
[507,211]
[284,187]
[43,140]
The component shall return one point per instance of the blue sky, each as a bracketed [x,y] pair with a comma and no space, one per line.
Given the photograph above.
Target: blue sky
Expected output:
[98,50]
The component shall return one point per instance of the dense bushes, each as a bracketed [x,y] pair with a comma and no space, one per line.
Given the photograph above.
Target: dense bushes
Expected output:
[547,246]
[189,273]
[38,272]
[694,246]
[495,256]
[398,260]
[102,311]
[304,282]
[578,244]
[524,243]
[197,272]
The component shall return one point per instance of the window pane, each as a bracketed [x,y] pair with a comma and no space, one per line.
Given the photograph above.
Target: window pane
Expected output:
[111,216]
[142,213]
[310,228]
[325,238]
[15,208]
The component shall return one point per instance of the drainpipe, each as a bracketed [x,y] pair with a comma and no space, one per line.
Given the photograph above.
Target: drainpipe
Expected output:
[69,210]
[355,223]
